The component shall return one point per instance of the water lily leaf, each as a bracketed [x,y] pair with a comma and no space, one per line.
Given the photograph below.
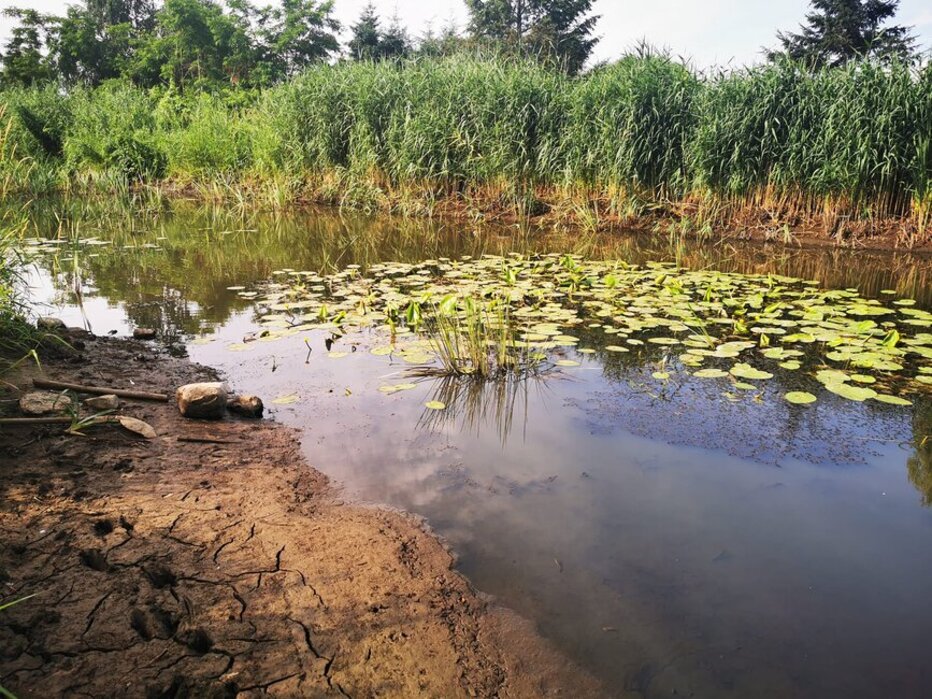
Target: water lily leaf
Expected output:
[846,390]
[616,348]
[337,355]
[863,378]
[566,362]
[286,399]
[661,375]
[745,386]
[799,398]
[382,351]
[435,405]
[892,400]
[746,371]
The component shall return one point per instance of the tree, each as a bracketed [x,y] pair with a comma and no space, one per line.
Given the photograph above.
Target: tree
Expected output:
[395,42]
[301,32]
[366,36]
[24,60]
[838,31]
[557,30]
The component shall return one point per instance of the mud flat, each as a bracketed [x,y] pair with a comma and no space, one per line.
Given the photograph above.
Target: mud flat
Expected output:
[214,561]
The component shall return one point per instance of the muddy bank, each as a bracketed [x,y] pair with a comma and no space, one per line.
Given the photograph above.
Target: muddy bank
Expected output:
[170,568]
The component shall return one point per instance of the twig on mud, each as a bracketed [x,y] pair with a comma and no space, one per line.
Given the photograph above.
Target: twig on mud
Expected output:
[99,390]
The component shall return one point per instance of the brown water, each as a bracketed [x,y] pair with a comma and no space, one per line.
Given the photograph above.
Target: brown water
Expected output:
[672,541]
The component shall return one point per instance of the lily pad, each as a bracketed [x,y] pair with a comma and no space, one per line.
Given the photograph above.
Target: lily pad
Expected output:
[799,398]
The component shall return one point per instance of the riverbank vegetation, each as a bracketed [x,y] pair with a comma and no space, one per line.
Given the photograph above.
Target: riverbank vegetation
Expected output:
[843,150]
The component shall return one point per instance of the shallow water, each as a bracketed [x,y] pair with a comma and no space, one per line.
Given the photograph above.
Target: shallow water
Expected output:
[671,540]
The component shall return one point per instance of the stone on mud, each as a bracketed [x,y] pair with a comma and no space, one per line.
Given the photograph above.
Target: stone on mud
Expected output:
[44,403]
[107,402]
[144,333]
[50,323]
[246,406]
[204,401]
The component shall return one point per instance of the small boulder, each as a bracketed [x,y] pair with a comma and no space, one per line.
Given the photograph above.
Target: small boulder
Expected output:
[50,323]
[44,403]
[204,401]
[144,333]
[108,402]
[246,406]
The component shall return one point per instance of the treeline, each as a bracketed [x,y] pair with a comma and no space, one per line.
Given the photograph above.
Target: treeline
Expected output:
[204,44]
[781,141]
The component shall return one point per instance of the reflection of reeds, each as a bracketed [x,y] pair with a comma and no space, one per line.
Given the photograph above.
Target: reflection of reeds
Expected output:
[470,405]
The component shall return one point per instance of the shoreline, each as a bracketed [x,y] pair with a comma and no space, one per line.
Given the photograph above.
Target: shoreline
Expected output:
[228,568]
[582,212]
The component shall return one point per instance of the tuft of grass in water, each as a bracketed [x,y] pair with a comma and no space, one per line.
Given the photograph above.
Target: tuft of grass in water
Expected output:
[476,340]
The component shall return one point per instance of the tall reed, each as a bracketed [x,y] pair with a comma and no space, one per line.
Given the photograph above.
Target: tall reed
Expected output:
[770,145]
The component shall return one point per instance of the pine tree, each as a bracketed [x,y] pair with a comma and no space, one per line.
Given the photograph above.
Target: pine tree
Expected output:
[395,42]
[838,31]
[558,30]
[366,36]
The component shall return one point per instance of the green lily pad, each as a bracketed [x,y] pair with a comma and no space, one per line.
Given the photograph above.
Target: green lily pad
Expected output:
[746,371]
[892,400]
[799,398]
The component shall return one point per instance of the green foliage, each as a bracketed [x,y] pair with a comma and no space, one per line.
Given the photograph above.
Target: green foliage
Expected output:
[555,30]
[113,129]
[839,31]
[640,133]
[24,60]
[185,43]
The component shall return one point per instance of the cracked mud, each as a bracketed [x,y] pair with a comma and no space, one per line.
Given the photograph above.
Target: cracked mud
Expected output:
[165,568]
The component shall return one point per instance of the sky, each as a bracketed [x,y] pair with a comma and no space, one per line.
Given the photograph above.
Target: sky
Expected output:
[707,32]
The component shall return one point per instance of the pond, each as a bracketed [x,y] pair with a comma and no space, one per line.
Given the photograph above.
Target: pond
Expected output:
[649,480]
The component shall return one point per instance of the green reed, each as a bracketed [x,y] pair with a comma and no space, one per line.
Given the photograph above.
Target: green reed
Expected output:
[776,144]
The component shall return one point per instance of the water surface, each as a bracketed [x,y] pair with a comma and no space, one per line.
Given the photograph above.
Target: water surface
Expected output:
[670,539]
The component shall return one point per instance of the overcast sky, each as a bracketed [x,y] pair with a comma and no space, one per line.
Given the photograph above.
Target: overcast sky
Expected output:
[710,32]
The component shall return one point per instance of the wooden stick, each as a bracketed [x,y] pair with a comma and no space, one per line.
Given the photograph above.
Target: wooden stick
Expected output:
[208,440]
[98,390]
[35,421]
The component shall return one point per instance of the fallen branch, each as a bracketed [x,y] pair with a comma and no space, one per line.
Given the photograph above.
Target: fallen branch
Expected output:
[98,390]
[35,420]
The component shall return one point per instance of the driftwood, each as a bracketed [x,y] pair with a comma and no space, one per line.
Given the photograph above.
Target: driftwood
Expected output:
[98,390]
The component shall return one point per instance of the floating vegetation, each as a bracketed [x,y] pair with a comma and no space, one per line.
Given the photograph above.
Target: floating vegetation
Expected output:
[496,315]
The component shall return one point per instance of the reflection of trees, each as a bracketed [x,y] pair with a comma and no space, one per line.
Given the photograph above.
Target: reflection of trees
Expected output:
[919,465]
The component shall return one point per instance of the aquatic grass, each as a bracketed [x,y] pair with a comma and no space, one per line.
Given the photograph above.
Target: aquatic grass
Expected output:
[476,339]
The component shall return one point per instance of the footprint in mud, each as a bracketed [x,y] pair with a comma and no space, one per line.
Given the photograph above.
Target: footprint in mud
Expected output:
[198,640]
[102,527]
[153,622]
[95,560]
[160,576]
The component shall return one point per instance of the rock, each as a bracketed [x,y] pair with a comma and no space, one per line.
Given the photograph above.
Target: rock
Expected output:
[50,323]
[205,401]
[138,426]
[44,403]
[246,406]
[108,402]
[144,333]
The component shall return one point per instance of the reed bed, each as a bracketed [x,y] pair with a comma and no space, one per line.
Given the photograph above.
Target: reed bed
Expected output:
[843,150]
